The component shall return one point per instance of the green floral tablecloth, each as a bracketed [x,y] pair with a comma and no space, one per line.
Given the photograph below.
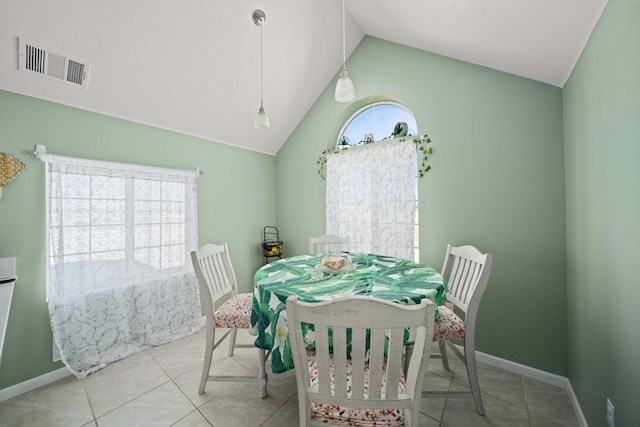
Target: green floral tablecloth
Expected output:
[384,277]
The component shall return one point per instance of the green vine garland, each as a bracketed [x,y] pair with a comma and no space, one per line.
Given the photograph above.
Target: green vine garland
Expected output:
[421,145]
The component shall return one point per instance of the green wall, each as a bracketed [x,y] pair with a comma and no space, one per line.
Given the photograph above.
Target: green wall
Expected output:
[235,200]
[602,164]
[497,182]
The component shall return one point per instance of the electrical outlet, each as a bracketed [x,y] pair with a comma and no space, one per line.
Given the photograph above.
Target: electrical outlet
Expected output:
[611,418]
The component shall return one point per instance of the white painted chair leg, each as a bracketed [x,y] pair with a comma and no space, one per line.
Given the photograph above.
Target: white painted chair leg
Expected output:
[208,354]
[232,341]
[443,354]
[472,373]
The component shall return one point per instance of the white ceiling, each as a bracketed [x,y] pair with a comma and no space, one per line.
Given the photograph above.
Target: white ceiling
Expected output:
[193,66]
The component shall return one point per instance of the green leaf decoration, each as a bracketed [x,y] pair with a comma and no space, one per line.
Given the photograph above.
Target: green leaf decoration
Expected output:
[421,146]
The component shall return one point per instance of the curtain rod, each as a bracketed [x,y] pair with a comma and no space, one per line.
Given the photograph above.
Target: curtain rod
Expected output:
[40,151]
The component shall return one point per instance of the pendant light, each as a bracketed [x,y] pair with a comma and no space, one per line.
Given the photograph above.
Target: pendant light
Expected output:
[262,121]
[344,89]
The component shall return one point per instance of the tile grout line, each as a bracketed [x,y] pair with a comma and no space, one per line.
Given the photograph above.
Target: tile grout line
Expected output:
[86,394]
[278,408]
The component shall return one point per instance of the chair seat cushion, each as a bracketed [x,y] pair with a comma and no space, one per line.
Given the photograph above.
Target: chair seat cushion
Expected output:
[448,326]
[334,414]
[235,312]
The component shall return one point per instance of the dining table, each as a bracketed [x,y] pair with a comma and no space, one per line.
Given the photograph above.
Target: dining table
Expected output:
[393,279]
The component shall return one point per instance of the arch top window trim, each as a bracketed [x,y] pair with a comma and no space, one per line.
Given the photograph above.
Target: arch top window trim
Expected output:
[367,128]
[422,142]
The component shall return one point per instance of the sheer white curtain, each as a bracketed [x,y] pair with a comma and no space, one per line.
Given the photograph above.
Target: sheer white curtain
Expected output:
[119,277]
[371,197]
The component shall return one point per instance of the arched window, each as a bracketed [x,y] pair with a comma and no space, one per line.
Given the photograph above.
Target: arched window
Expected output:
[378,209]
[377,122]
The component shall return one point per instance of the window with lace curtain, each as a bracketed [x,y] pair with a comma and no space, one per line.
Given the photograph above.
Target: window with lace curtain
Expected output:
[372,187]
[371,196]
[119,276]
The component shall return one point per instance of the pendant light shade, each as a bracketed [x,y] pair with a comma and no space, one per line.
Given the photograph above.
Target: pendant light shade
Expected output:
[262,121]
[345,91]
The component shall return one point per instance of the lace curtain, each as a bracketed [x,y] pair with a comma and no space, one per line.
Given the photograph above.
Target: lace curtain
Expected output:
[371,197]
[119,276]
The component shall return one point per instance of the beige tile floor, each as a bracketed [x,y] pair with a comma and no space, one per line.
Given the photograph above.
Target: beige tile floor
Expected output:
[158,387]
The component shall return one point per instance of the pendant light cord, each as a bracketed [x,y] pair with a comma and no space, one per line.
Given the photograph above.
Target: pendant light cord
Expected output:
[261,121]
[344,48]
[261,84]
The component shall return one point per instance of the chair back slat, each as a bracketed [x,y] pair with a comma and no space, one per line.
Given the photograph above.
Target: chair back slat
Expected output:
[376,363]
[213,270]
[340,359]
[358,357]
[394,360]
[465,268]
[216,277]
[463,284]
[323,358]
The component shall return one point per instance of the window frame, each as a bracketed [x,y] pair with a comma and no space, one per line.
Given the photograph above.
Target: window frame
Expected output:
[361,110]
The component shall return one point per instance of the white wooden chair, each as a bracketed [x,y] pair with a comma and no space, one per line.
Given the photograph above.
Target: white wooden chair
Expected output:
[217,280]
[346,381]
[328,243]
[466,271]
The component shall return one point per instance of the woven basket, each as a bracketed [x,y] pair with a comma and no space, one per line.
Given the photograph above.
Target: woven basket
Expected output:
[272,248]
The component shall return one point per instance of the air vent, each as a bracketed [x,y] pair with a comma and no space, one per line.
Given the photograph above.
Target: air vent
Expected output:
[42,61]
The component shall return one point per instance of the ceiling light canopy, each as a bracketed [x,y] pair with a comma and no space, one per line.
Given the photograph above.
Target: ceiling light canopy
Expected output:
[262,120]
[345,91]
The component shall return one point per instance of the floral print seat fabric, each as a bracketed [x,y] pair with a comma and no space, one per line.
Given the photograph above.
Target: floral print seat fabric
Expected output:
[334,414]
[448,326]
[235,312]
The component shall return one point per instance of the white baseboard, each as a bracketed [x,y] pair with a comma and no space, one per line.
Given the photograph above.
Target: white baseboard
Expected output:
[576,406]
[33,383]
[536,374]
[527,371]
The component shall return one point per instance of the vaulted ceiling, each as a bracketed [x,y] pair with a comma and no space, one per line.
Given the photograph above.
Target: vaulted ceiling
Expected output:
[193,66]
